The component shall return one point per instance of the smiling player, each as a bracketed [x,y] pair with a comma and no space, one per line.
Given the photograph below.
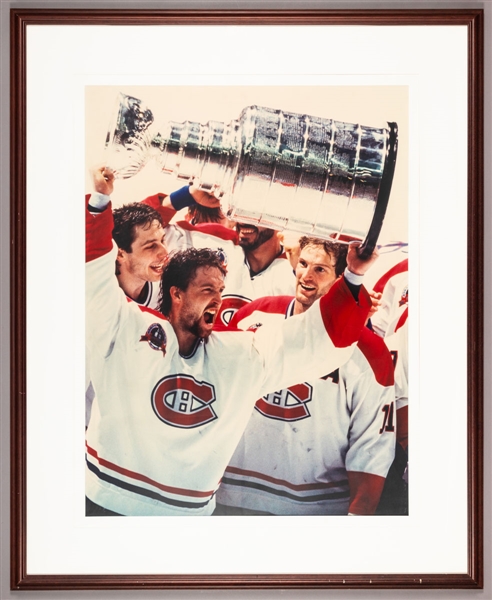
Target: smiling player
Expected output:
[257,264]
[173,397]
[324,445]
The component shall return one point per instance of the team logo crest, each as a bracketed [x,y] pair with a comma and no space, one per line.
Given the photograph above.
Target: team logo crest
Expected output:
[184,402]
[404,297]
[288,404]
[229,307]
[156,337]
[222,257]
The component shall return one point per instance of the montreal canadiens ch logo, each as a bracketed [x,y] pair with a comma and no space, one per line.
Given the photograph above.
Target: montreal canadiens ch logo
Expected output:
[229,307]
[182,401]
[288,404]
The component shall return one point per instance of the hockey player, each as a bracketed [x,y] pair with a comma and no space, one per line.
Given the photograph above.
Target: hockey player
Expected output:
[257,264]
[324,445]
[139,234]
[167,414]
[199,215]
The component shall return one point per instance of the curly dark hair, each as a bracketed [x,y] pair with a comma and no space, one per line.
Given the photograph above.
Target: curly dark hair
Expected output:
[181,270]
[335,249]
[127,218]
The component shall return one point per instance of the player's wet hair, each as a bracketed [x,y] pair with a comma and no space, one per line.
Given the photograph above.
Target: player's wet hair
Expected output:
[127,218]
[335,249]
[205,214]
[181,270]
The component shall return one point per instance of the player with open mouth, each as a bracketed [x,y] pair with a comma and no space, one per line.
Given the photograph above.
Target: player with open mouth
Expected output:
[166,417]
[251,237]
[193,302]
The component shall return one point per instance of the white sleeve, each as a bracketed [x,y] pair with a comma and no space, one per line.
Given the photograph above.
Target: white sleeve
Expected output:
[372,433]
[297,349]
[106,304]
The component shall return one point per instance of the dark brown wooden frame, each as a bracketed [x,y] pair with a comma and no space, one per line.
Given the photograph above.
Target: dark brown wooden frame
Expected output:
[20,20]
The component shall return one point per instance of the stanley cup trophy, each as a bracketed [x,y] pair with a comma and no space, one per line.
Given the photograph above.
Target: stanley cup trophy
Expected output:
[270,168]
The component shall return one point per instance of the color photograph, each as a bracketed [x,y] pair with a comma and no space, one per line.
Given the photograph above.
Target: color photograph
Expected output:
[215,214]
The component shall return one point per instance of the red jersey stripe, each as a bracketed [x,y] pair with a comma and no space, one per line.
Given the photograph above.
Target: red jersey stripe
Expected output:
[401,267]
[291,486]
[144,479]
[402,320]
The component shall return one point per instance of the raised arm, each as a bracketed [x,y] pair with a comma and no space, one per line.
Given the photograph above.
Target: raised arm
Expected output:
[169,205]
[105,301]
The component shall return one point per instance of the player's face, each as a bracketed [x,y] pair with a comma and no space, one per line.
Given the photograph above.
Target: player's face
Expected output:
[200,303]
[148,256]
[315,274]
[251,237]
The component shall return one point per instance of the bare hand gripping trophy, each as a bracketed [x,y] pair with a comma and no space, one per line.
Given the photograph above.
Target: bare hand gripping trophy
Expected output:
[275,169]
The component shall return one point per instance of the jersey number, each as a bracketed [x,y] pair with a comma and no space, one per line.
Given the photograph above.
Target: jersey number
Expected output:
[389,413]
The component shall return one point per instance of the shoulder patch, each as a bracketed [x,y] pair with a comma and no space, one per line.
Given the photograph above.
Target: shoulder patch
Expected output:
[156,337]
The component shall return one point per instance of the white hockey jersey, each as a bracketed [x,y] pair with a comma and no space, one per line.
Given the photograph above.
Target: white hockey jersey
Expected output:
[163,426]
[322,446]
[149,297]
[389,276]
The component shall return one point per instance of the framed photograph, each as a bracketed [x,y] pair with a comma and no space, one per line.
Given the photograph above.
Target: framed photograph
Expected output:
[139,88]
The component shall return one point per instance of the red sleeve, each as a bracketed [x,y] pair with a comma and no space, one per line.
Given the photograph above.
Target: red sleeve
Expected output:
[155,201]
[343,317]
[365,491]
[98,232]
[378,356]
